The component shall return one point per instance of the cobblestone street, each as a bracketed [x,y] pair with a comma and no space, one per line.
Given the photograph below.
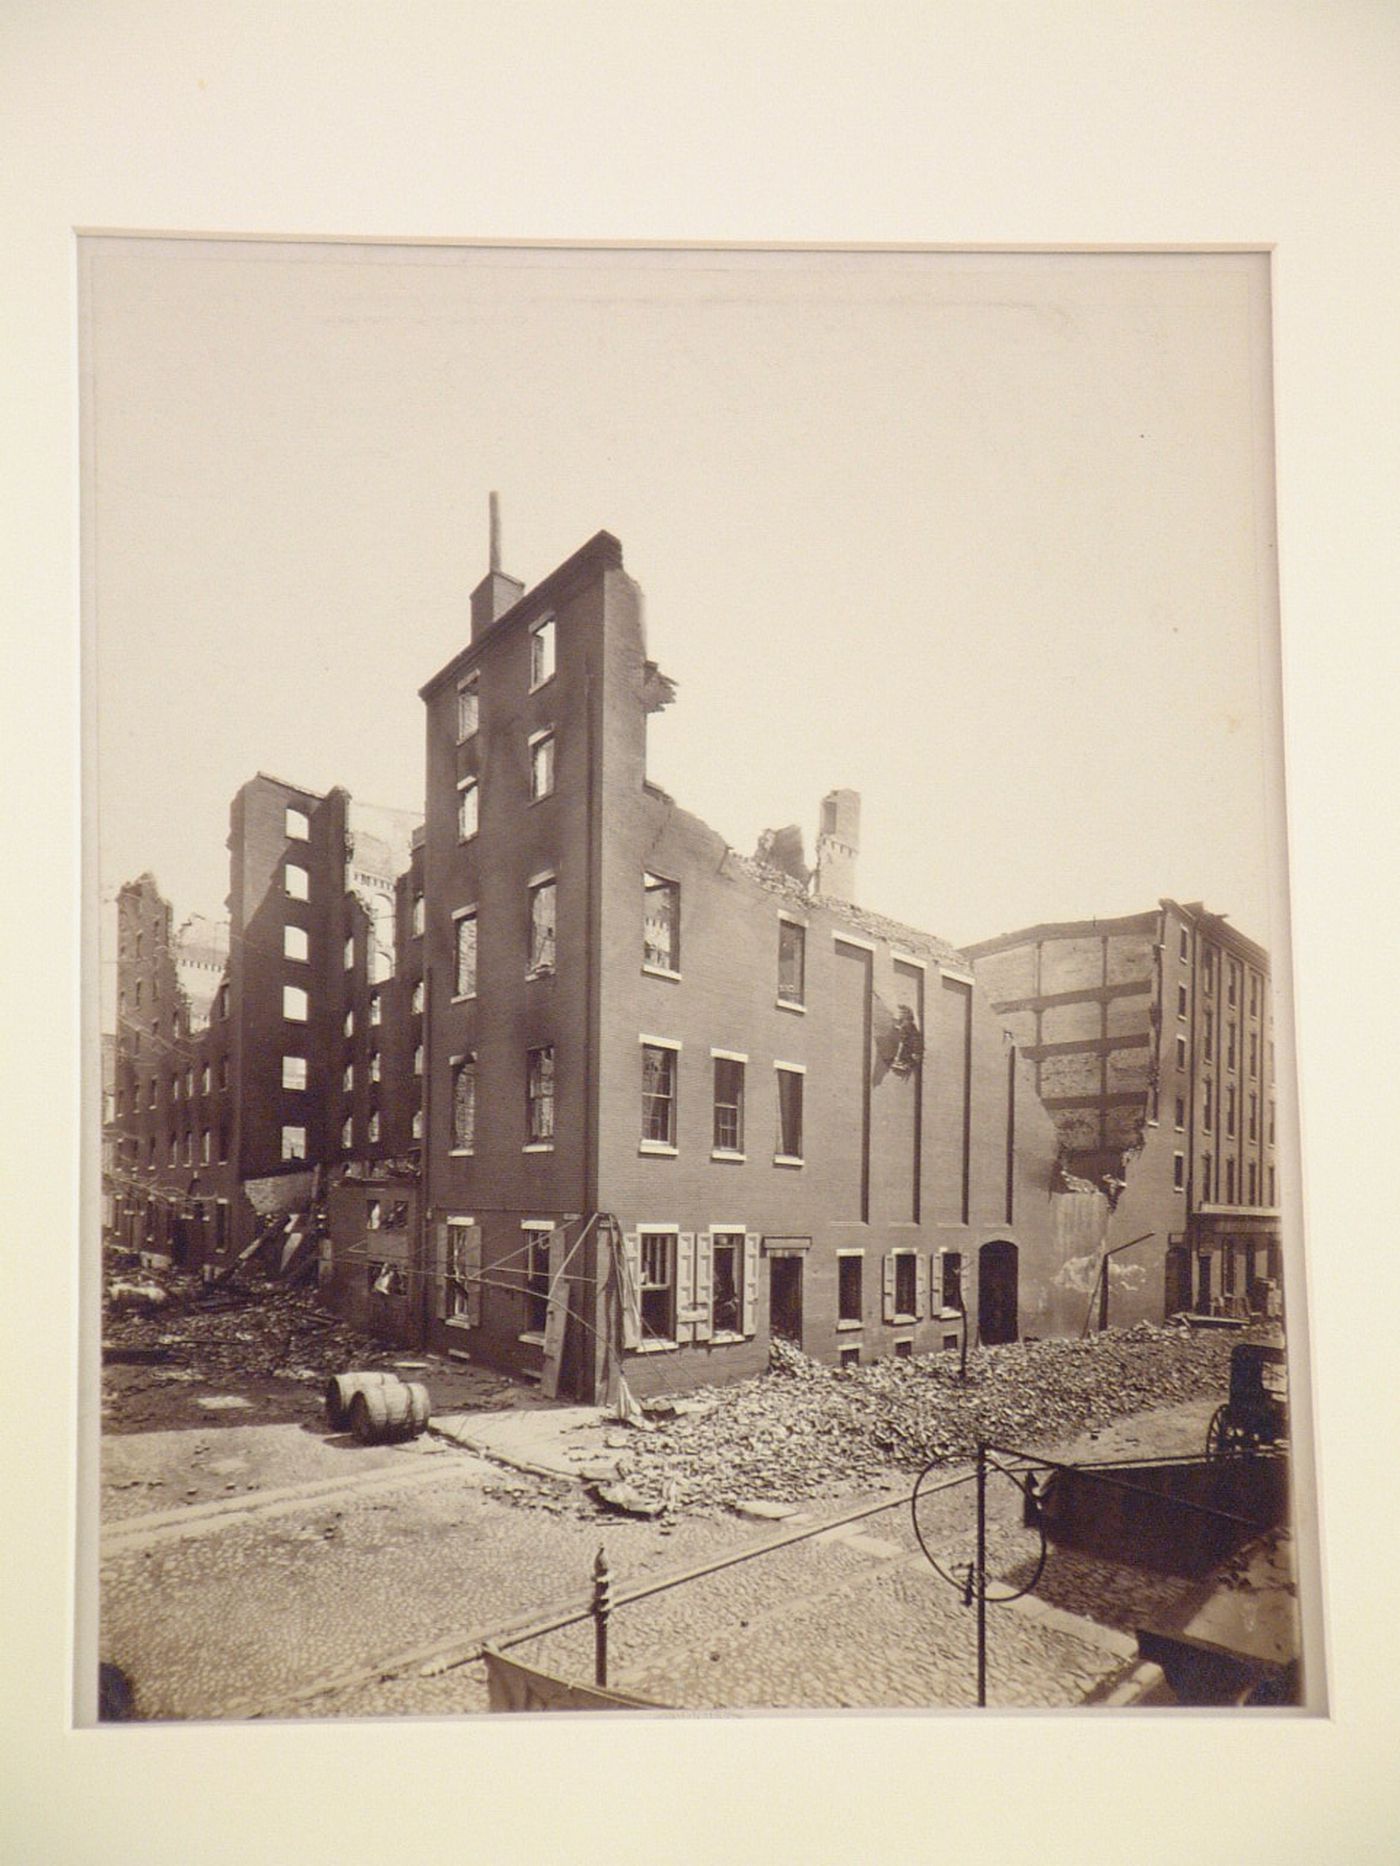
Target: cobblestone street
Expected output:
[285,1575]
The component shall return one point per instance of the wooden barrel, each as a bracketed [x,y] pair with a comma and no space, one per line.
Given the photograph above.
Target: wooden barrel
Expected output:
[380,1414]
[343,1388]
[419,1406]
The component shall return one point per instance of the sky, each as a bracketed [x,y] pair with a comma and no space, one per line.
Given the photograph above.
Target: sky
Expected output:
[986,538]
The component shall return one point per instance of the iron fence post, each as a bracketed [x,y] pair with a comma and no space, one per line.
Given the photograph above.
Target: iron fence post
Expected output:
[602,1609]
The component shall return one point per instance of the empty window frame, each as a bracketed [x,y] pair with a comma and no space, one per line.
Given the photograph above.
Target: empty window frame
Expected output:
[416,916]
[792,963]
[374,1213]
[296,825]
[1208,971]
[1254,1117]
[416,1127]
[1181,1000]
[350,953]
[1207,1104]
[1229,1182]
[1180,1113]
[850,1279]
[1207,1178]
[347,1134]
[906,1285]
[416,1002]
[537,1239]
[1179,1172]
[468,707]
[293,1143]
[204,1080]
[539,1095]
[659,1071]
[661,924]
[295,1004]
[376,1009]
[1184,944]
[657,1285]
[464,962]
[1208,1036]
[463,1104]
[1230,1051]
[1254,1052]
[791,1078]
[950,1280]
[542,652]
[1253,1172]
[347,1081]
[848,1357]
[463,1271]
[1181,1052]
[468,809]
[728,1102]
[542,928]
[223,1072]
[374,1124]
[726,1283]
[418,1059]
[541,765]
[1230,1110]
[374,1065]
[350,1023]
[296,882]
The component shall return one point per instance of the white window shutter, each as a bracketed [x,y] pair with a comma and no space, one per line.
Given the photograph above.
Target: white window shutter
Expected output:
[685,1286]
[631,1267]
[750,1283]
[444,1269]
[935,1282]
[704,1286]
[921,1282]
[471,1270]
[889,1286]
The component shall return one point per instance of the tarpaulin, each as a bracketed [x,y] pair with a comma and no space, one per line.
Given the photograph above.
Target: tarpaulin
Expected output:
[516,1687]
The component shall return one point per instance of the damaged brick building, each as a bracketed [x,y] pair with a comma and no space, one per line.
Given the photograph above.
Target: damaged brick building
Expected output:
[1151,1037]
[680,1101]
[256,1056]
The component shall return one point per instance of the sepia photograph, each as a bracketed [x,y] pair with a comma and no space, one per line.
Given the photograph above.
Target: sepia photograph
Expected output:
[698,1108]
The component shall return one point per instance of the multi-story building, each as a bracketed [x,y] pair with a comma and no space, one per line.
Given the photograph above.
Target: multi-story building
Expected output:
[679,1101]
[247,1056]
[1151,1037]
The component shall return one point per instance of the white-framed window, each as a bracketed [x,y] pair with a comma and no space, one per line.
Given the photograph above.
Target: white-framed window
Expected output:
[542,928]
[347,1080]
[1184,944]
[1230,1110]
[724,1282]
[295,1004]
[657,1284]
[1230,1051]
[296,943]
[850,1288]
[1181,1000]
[1179,1172]
[374,1124]
[541,765]
[464,972]
[296,882]
[376,1010]
[1229,1182]
[463,1104]
[296,824]
[791,1079]
[792,963]
[661,925]
[1180,1113]
[660,1060]
[537,1242]
[1181,1052]
[1254,1117]
[950,1289]
[541,652]
[468,809]
[1206,1178]
[293,1143]
[468,707]
[539,1095]
[462,1297]
[728,1135]
[905,1291]
[1207,1104]
[416,916]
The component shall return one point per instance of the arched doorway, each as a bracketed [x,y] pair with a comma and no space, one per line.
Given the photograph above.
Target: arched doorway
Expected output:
[998,1275]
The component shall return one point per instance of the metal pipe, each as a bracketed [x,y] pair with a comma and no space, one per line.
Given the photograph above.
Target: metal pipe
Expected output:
[981,1575]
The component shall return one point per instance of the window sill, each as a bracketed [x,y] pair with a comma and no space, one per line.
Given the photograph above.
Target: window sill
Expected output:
[790,1004]
[539,971]
[540,685]
[787,1159]
[532,1338]
[543,797]
[461,1153]
[661,971]
[903,1321]
[730,1155]
[653,1347]
[538,1146]
[845,1327]
[947,1315]
[659,1147]
[726,1338]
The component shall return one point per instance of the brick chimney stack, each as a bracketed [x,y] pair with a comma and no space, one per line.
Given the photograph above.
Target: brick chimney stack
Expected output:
[496,592]
[838,844]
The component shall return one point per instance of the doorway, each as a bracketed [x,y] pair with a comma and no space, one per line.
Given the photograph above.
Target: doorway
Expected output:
[997,1280]
[785,1299]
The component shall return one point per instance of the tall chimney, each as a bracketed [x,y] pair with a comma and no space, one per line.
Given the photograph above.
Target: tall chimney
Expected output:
[496,592]
[838,844]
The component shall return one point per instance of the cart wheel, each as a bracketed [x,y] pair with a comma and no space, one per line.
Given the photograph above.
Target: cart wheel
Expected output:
[1217,1433]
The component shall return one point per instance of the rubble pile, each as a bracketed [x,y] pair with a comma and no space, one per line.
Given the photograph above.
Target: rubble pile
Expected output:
[255,1329]
[807,1430]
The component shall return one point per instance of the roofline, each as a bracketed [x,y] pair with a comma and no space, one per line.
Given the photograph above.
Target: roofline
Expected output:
[602,551]
[1064,929]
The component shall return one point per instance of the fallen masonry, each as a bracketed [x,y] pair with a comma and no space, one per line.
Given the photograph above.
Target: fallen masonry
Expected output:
[805,1431]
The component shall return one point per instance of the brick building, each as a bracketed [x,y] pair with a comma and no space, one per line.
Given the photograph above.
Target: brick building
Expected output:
[1151,1037]
[680,1101]
[251,1054]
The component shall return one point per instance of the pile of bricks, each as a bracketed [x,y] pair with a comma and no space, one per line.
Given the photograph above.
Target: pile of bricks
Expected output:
[805,1431]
